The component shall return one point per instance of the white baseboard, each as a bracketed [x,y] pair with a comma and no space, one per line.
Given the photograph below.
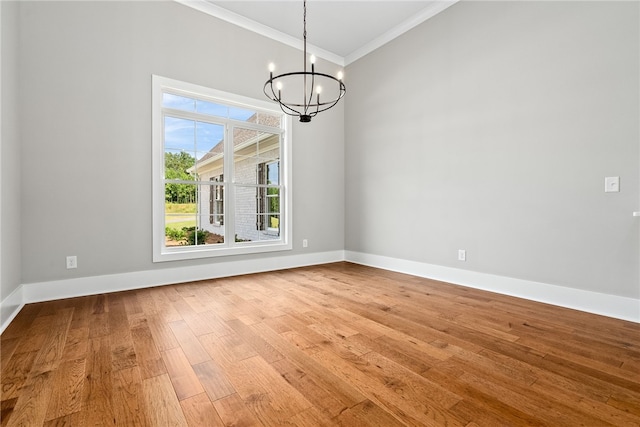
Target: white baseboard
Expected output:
[592,302]
[83,286]
[10,307]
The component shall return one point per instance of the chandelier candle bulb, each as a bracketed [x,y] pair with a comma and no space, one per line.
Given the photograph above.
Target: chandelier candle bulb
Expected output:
[312,59]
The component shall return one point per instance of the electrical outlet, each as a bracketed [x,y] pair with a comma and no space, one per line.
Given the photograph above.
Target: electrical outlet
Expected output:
[612,184]
[72,262]
[462,255]
[305,243]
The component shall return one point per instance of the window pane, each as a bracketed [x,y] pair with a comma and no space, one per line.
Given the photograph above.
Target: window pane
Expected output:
[178,165]
[242,114]
[211,209]
[205,235]
[183,194]
[178,102]
[188,220]
[180,212]
[253,148]
[268,119]
[273,201]
[211,108]
[179,134]
[273,173]
[209,149]
[257,213]
[273,225]
[245,213]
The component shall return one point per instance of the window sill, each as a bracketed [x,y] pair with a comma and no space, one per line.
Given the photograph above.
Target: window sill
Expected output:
[213,251]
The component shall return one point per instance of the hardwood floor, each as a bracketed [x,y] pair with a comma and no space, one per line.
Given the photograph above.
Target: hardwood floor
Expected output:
[337,344]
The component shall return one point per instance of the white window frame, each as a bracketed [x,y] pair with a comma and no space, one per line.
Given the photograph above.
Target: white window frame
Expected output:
[161,252]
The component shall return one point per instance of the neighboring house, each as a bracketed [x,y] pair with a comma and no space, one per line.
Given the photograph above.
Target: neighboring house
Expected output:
[256,161]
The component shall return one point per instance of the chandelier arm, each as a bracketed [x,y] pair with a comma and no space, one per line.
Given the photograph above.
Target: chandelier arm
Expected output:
[331,104]
[313,82]
[284,107]
[270,84]
[298,73]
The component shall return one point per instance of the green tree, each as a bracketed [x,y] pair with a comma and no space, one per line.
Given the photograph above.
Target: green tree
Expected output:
[175,167]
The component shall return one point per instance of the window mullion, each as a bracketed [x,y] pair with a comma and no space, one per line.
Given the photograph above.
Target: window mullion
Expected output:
[230,191]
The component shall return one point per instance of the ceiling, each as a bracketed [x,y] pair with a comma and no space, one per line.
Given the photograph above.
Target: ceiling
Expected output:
[338,31]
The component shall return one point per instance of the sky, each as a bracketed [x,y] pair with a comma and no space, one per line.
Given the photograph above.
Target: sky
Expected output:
[196,137]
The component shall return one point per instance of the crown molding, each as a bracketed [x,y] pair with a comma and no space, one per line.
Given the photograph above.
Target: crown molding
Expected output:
[431,10]
[428,12]
[264,30]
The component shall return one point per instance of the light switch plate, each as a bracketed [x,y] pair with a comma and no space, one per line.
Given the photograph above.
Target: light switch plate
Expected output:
[612,184]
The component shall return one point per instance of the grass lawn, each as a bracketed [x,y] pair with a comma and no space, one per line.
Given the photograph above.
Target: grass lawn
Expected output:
[179,208]
[179,225]
[174,215]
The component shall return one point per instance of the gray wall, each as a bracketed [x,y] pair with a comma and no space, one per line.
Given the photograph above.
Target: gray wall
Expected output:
[85,104]
[491,128]
[488,128]
[10,167]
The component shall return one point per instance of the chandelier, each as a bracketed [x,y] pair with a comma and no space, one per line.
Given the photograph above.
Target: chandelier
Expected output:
[305,103]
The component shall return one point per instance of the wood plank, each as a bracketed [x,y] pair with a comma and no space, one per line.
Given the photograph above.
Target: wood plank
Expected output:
[163,336]
[31,406]
[366,413]
[184,379]
[271,399]
[147,355]
[71,420]
[234,412]
[15,373]
[314,391]
[214,380]
[52,347]
[162,406]
[310,378]
[98,387]
[384,391]
[66,396]
[189,342]
[334,344]
[199,411]
[6,410]
[129,406]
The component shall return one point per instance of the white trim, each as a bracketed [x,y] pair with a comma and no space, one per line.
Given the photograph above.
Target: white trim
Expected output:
[258,28]
[428,12]
[69,288]
[83,286]
[10,307]
[591,302]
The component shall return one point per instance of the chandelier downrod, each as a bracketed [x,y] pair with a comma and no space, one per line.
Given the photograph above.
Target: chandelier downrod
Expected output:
[307,108]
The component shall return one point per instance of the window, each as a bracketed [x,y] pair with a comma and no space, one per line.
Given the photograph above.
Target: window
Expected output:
[219,161]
